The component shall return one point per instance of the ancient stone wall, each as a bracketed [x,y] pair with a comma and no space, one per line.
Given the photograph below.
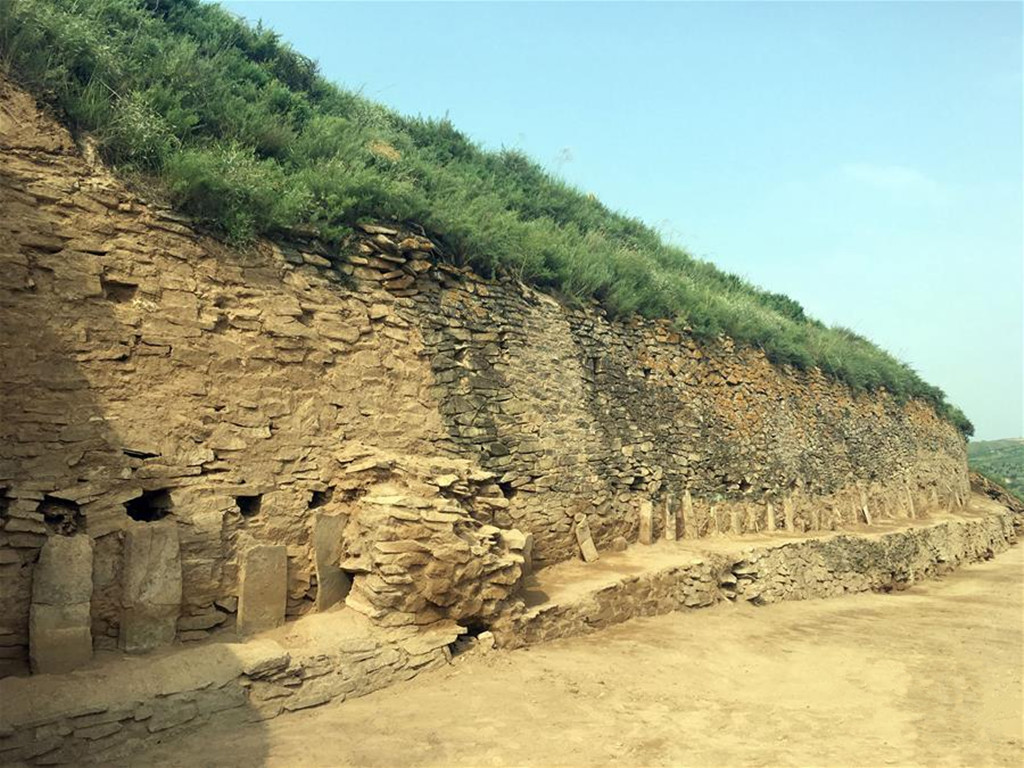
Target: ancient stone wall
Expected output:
[108,714]
[151,375]
[823,566]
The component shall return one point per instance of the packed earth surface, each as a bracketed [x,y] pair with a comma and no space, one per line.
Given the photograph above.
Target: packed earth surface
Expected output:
[926,676]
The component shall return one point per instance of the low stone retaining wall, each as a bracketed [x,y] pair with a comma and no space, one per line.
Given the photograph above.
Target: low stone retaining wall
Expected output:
[103,715]
[799,570]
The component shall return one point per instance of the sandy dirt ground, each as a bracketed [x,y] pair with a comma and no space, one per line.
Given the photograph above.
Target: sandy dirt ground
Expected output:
[930,676]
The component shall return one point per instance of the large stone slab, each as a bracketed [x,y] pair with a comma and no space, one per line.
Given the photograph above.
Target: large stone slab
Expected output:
[646,522]
[332,582]
[60,637]
[152,586]
[585,539]
[262,588]
[671,519]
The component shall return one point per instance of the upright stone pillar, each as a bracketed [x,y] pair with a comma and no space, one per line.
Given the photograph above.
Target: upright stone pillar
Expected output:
[332,583]
[585,539]
[262,588]
[770,517]
[59,631]
[646,522]
[671,520]
[910,502]
[788,512]
[152,586]
[690,529]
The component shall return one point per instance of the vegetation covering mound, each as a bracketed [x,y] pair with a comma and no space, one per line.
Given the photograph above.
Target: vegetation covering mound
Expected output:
[241,132]
[1002,461]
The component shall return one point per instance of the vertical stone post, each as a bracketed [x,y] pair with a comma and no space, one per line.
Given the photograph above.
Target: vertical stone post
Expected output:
[59,631]
[262,588]
[788,513]
[332,583]
[735,521]
[770,517]
[689,521]
[671,521]
[646,522]
[584,539]
[910,502]
[151,595]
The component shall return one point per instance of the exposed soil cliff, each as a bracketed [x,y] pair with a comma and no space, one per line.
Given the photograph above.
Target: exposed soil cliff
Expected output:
[447,428]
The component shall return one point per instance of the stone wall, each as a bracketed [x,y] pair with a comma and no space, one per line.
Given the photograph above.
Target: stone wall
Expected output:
[104,715]
[150,373]
[819,567]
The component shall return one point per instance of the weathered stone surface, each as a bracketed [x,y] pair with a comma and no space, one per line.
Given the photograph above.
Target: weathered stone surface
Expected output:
[586,542]
[63,574]
[333,583]
[262,588]
[152,586]
[646,522]
[60,635]
[671,523]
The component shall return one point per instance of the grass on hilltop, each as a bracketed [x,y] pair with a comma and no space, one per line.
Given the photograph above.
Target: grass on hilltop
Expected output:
[241,132]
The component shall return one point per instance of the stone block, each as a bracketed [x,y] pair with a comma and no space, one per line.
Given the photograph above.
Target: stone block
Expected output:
[263,588]
[60,635]
[671,521]
[690,530]
[585,539]
[152,586]
[63,575]
[60,639]
[789,514]
[333,583]
[646,522]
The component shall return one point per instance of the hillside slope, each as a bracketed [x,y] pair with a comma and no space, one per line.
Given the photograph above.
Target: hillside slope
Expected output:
[1001,460]
[234,128]
[155,381]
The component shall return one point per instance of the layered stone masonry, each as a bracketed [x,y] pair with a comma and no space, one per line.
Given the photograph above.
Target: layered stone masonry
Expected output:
[152,376]
[87,717]
[810,568]
[97,718]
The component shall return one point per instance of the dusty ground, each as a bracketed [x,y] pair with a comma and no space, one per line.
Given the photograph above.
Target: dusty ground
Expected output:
[929,676]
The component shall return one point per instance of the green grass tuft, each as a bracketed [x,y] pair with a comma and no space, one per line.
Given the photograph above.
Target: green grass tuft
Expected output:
[241,132]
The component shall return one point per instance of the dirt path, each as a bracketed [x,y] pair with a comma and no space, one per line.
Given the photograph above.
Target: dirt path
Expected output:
[929,676]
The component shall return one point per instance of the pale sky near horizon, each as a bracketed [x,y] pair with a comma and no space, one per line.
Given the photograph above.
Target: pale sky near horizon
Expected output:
[863,158]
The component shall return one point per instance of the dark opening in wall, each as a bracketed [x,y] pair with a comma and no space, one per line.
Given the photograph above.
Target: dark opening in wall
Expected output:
[5,502]
[150,506]
[320,498]
[249,505]
[507,490]
[62,517]
[467,641]
[114,290]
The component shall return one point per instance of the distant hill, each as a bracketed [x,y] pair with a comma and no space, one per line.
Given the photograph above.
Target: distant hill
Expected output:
[1000,460]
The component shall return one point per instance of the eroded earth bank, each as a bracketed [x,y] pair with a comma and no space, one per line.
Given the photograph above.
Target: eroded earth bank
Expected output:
[240,484]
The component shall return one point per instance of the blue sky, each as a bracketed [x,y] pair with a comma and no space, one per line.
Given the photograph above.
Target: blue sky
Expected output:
[865,159]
